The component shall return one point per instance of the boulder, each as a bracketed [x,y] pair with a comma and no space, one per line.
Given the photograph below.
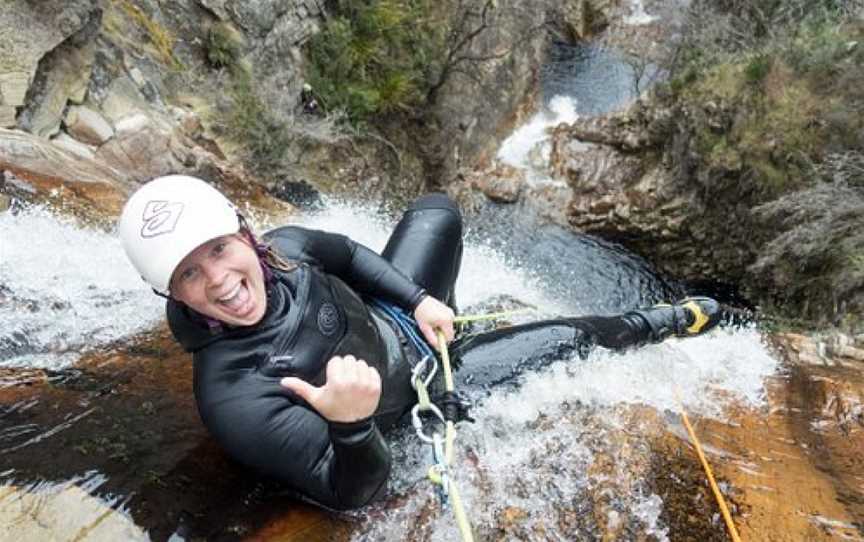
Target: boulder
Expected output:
[7,116]
[88,125]
[123,99]
[66,142]
[45,50]
[141,147]
[62,79]
[48,170]
[502,184]
[850,352]
[13,88]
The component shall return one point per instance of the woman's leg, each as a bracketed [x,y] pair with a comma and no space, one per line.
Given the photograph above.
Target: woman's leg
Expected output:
[426,245]
[497,356]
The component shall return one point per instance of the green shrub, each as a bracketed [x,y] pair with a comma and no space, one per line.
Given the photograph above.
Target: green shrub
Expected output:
[375,57]
[223,46]
[758,68]
[249,122]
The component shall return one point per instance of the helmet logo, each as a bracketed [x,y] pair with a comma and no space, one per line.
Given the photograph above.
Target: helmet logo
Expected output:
[160,217]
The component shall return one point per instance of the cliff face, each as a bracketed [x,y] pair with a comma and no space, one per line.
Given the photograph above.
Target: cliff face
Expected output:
[745,169]
[211,87]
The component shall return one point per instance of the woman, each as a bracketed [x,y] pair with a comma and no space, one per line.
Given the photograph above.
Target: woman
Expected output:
[300,345]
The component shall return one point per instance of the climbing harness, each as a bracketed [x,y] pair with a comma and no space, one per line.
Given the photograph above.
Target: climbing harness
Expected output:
[454,408]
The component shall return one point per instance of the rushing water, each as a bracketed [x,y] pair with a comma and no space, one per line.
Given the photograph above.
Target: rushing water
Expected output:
[512,457]
[64,291]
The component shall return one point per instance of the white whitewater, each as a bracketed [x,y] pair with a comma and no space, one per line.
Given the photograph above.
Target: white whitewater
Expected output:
[65,291]
[638,15]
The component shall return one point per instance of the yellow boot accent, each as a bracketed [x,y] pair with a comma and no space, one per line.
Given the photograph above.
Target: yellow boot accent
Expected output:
[701,319]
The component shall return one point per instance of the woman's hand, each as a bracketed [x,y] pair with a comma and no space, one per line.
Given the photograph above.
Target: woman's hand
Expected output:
[431,314]
[351,392]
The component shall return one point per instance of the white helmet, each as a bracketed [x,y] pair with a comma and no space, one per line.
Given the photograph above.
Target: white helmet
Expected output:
[168,218]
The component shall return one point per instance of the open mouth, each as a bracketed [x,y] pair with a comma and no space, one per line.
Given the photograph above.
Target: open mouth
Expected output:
[238,300]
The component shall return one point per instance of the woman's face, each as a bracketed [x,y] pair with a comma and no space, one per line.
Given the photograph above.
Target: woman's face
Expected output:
[222,279]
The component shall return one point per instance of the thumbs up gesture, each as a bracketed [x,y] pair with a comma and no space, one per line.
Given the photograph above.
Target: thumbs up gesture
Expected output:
[351,392]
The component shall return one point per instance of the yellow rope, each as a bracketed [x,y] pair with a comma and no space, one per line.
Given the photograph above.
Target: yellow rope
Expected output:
[450,436]
[464,319]
[721,502]
[445,361]
[458,509]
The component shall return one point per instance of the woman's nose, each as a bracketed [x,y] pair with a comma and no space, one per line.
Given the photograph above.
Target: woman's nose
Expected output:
[214,273]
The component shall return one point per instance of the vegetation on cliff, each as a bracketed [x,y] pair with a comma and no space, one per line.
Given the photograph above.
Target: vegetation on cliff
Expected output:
[373,58]
[770,95]
[393,56]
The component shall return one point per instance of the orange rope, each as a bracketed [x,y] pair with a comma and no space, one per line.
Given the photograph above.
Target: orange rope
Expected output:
[733,532]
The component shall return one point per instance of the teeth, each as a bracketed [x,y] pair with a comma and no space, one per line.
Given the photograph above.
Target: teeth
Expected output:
[230,295]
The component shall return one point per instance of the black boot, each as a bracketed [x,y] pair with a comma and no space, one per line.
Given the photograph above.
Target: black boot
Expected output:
[688,317]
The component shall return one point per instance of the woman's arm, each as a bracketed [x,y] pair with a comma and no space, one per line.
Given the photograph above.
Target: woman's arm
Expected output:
[340,465]
[361,268]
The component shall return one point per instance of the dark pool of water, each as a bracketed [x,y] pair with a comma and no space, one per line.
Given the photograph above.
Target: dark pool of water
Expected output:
[594,275]
[599,79]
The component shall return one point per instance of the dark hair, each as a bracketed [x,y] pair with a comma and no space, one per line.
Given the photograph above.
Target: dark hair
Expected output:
[270,259]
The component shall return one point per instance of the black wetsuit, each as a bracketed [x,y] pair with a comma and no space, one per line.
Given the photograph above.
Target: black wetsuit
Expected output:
[321,309]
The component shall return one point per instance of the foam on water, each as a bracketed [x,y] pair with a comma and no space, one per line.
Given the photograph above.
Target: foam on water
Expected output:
[65,290]
[705,372]
[528,145]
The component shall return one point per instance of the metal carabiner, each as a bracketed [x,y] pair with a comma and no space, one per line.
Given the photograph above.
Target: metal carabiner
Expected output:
[420,368]
[418,423]
[441,467]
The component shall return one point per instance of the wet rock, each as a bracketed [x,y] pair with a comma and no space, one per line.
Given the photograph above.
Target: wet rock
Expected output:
[38,170]
[41,512]
[298,193]
[502,183]
[74,146]
[5,202]
[88,126]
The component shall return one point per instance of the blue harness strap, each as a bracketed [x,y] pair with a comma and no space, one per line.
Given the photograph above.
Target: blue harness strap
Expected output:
[407,324]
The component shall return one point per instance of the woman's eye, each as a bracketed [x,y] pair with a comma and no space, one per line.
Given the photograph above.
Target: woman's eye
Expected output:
[219,248]
[187,274]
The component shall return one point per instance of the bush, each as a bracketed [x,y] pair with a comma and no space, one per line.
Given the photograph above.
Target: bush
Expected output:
[758,68]
[223,46]
[374,57]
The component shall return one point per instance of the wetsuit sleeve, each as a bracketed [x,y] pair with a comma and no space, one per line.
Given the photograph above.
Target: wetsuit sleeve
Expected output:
[358,266]
[339,465]
[342,466]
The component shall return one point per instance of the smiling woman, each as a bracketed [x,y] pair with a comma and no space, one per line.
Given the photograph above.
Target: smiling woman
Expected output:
[303,346]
